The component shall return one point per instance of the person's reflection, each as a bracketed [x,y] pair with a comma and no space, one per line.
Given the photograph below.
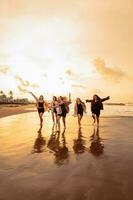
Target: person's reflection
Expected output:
[97,146]
[39,142]
[79,143]
[57,143]
[53,142]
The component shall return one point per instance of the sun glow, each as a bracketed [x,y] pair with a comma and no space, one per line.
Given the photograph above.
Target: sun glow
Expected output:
[42,54]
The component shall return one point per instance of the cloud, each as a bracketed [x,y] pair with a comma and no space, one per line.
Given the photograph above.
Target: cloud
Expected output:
[26,83]
[45,75]
[114,74]
[78,86]
[23,83]
[96,91]
[4,69]
[69,72]
[34,85]
[61,79]
[21,89]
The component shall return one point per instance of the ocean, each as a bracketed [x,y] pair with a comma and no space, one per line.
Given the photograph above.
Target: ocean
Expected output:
[111,110]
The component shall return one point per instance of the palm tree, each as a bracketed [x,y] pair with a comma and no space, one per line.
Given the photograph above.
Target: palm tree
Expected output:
[1,93]
[11,94]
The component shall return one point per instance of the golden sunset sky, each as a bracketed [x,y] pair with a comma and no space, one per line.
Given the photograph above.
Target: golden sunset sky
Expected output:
[56,46]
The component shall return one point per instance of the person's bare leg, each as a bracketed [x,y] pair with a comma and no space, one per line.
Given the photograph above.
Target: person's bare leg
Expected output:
[93,116]
[40,129]
[58,123]
[53,117]
[64,122]
[79,120]
[41,119]
[97,121]
[56,118]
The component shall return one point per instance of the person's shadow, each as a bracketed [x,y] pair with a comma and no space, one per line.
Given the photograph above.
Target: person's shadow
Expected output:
[39,142]
[57,143]
[79,143]
[97,147]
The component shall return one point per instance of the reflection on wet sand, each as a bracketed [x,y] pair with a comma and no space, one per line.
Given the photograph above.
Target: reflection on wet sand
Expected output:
[59,172]
[39,142]
[97,147]
[79,143]
[57,143]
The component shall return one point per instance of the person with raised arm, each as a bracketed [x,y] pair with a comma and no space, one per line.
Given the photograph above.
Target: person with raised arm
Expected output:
[42,106]
[79,110]
[97,106]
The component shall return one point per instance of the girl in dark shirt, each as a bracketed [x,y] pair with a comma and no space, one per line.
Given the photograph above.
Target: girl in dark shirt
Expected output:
[97,106]
[79,109]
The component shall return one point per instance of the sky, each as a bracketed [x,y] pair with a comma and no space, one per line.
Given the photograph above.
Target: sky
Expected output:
[59,46]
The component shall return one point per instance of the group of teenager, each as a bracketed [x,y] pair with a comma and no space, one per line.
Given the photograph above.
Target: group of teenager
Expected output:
[59,108]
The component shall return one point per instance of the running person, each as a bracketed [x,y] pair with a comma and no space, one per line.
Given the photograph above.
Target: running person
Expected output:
[41,106]
[62,109]
[53,109]
[96,107]
[79,110]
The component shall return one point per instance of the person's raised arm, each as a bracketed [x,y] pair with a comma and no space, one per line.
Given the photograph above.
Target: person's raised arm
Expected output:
[88,101]
[105,99]
[70,100]
[34,96]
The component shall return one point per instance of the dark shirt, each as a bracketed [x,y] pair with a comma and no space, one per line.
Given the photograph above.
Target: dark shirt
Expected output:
[80,109]
[63,108]
[41,104]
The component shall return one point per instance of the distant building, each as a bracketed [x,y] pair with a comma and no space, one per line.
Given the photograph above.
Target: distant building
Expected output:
[21,101]
[6,100]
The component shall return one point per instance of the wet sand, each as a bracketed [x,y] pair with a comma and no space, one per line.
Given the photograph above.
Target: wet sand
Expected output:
[14,109]
[85,164]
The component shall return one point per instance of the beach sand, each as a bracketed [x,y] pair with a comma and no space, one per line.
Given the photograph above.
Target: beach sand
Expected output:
[14,109]
[85,164]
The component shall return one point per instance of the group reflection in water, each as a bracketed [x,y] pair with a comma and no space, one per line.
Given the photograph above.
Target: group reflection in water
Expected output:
[58,146]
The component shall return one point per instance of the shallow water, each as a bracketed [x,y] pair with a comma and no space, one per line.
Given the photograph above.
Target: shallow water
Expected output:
[86,163]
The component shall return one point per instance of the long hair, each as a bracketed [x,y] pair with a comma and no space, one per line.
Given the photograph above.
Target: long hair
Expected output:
[80,101]
[62,98]
[55,98]
[98,98]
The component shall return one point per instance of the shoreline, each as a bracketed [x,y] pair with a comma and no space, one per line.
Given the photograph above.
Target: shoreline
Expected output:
[7,110]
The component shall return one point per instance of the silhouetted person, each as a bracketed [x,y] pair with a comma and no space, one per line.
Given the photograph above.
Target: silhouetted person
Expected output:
[53,110]
[39,142]
[79,143]
[97,146]
[96,107]
[79,110]
[42,106]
